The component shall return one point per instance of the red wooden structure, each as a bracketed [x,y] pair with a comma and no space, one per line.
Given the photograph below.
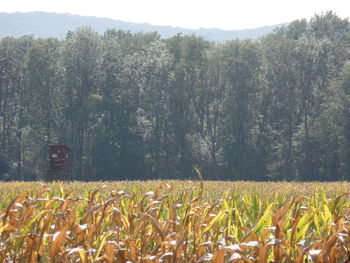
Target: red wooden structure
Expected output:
[60,159]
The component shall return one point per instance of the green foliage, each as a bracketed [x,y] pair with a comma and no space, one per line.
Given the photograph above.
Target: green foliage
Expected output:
[135,106]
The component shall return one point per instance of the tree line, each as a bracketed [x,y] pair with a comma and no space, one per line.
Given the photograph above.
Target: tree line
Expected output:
[135,106]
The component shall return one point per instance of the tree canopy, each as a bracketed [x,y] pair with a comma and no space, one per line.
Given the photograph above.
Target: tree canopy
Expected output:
[135,106]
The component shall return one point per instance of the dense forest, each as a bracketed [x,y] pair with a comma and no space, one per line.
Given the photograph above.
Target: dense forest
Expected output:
[135,106]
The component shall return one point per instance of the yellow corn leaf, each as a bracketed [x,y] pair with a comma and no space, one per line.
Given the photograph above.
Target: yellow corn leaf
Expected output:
[327,215]
[317,223]
[103,242]
[62,191]
[216,220]
[301,233]
[266,217]
[323,195]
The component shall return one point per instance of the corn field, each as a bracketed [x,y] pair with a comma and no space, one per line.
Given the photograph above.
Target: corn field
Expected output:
[171,222]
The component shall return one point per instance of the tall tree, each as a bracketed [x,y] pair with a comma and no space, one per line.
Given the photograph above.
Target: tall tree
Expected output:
[81,58]
[189,54]
[13,102]
[344,95]
[44,89]
[284,104]
[154,76]
[213,111]
[242,76]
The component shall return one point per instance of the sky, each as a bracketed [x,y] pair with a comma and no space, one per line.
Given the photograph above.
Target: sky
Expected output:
[194,14]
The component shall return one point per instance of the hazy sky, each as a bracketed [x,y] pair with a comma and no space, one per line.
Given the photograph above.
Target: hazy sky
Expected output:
[225,14]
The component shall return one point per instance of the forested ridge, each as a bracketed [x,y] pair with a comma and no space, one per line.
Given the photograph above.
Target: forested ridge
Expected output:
[135,106]
[45,24]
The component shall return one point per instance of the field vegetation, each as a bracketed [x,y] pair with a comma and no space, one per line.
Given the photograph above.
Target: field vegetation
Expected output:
[174,221]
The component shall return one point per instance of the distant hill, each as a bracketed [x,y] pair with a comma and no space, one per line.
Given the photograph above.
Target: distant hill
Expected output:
[42,24]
